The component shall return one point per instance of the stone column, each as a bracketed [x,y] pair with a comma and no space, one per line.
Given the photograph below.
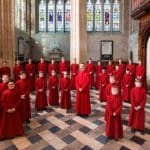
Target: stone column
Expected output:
[7,31]
[78,31]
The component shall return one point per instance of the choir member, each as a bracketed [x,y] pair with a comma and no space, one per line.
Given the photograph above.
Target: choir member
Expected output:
[122,67]
[53,89]
[98,71]
[24,86]
[110,68]
[63,66]
[114,128]
[41,97]
[52,66]
[137,112]
[131,67]
[90,68]
[82,106]
[11,124]
[118,75]
[42,66]
[126,85]
[30,71]
[16,70]
[5,70]
[73,71]
[65,100]
[103,81]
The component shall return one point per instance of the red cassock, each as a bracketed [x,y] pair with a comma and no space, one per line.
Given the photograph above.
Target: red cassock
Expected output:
[11,124]
[3,87]
[90,68]
[41,98]
[42,67]
[63,66]
[5,70]
[98,71]
[132,69]
[30,71]
[65,101]
[53,90]
[103,80]
[137,118]
[16,71]
[110,69]
[114,126]
[74,71]
[23,86]
[52,67]
[118,76]
[140,73]
[83,105]
[126,86]
[122,68]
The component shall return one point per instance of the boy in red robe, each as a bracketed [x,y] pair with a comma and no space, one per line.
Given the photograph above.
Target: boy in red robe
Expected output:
[30,71]
[137,112]
[126,85]
[53,89]
[103,81]
[41,97]
[118,75]
[52,66]
[63,66]
[5,70]
[24,86]
[65,100]
[73,71]
[114,128]
[98,71]
[110,68]
[42,66]
[16,70]
[11,124]
[90,68]
[131,67]
[122,67]
[83,105]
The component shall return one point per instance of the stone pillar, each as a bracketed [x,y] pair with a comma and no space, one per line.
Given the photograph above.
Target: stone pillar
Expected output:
[7,31]
[78,31]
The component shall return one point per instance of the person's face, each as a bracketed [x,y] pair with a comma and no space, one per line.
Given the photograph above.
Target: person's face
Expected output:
[23,76]
[5,78]
[41,60]
[62,59]
[52,61]
[65,75]
[109,62]
[120,61]
[82,67]
[103,70]
[90,61]
[127,72]
[17,62]
[4,64]
[53,73]
[30,61]
[139,62]
[138,84]
[11,85]
[117,67]
[130,62]
[112,80]
[99,63]
[41,74]
[114,91]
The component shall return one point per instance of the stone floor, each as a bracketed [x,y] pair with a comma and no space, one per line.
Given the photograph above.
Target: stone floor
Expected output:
[58,129]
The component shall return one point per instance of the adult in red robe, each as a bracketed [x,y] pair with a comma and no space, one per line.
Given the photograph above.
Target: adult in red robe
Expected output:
[137,112]
[82,105]
[3,87]
[11,124]
[103,81]
[65,100]
[52,66]
[74,68]
[114,128]
[41,97]
[90,68]
[5,69]
[122,67]
[24,86]
[42,66]
[63,66]
[53,89]
[126,85]
[16,70]
[30,71]
[98,71]
[110,68]
[141,73]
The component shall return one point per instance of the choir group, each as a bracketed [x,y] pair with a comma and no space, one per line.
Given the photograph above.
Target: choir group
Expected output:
[116,83]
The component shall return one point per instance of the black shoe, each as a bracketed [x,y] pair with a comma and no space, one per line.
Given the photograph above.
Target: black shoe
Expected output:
[28,121]
[132,130]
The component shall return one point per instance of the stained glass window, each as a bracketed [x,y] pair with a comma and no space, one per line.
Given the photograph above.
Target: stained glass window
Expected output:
[51,15]
[42,15]
[89,15]
[59,16]
[67,15]
[107,15]
[116,16]
[98,15]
